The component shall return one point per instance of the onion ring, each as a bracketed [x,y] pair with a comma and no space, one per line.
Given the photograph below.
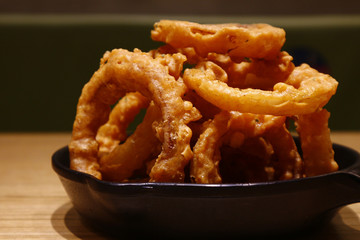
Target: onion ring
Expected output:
[303,92]
[122,71]
[258,73]
[121,162]
[238,41]
[204,167]
[289,163]
[113,132]
[230,104]
[316,144]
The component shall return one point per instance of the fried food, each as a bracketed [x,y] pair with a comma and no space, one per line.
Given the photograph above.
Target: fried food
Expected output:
[139,147]
[249,162]
[123,71]
[289,164]
[303,92]
[218,100]
[316,144]
[204,166]
[113,131]
[259,73]
[170,168]
[234,129]
[236,40]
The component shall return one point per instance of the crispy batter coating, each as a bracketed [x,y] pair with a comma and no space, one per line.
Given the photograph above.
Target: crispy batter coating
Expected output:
[289,164]
[113,131]
[304,91]
[169,168]
[233,129]
[236,40]
[259,73]
[218,98]
[122,71]
[208,110]
[205,163]
[131,155]
[316,144]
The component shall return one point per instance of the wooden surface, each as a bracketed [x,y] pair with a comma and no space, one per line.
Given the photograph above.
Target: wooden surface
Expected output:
[34,205]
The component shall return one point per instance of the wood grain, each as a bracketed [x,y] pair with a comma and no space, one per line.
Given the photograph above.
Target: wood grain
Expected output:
[34,205]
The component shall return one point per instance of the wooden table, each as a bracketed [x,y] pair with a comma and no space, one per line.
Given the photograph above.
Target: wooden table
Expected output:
[34,205]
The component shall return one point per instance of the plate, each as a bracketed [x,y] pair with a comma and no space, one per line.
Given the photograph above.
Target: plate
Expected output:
[268,208]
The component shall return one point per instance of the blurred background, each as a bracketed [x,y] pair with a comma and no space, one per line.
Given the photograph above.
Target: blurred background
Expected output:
[50,49]
[184,7]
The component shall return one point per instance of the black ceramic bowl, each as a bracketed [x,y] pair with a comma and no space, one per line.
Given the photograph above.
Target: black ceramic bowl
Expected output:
[278,207]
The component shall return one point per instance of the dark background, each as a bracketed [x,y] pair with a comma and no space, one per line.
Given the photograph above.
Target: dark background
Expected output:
[188,7]
[50,49]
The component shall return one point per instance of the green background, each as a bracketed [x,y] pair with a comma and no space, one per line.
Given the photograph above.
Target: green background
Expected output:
[46,59]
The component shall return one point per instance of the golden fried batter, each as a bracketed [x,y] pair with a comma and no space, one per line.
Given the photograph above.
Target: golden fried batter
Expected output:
[113,132]
[218,99]
[122,71]
[304,91]
[131,155]
[316,144]
[236,40]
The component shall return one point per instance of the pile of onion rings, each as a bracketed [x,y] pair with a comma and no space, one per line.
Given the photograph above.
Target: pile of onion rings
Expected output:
[219,100]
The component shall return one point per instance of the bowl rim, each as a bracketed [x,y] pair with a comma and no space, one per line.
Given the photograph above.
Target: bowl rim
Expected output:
[100,202]
[61,169]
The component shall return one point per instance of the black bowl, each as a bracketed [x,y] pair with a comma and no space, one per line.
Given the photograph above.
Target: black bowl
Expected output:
[278,207]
